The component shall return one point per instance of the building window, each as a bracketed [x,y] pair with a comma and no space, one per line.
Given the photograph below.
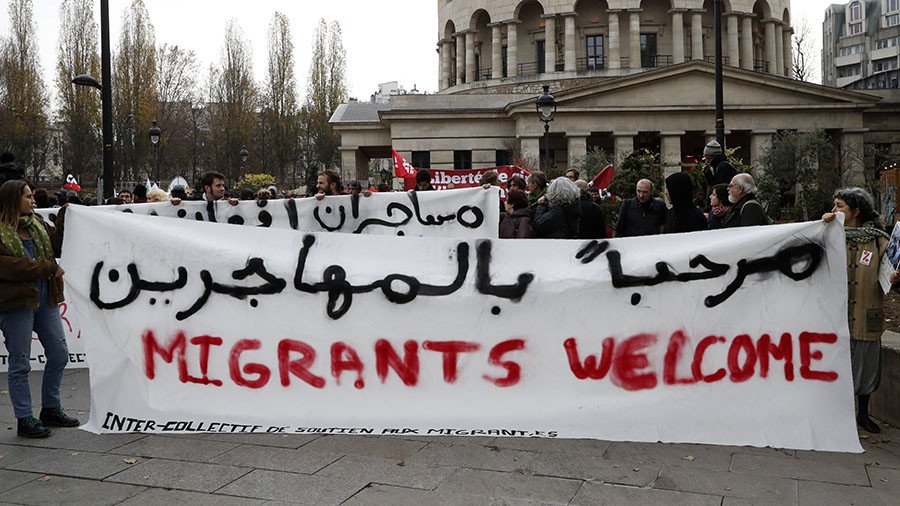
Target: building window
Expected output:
[892,5]
[462,160]
[855,49]
[504,57]
[502,158]
[421,159]
[855,12]
[892,20]
[849,71]
[884,65]
[648,50]
[594,52]
[855,28]
[885,43]
[541,62]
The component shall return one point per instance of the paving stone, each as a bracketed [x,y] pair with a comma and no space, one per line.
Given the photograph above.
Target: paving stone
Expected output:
[885,479]
[598,468]
[73,464]
[194,476]
[13,454]
[513,486]
[386,495]
[163,447]
[874,455]
[388,472]
[817,494]
[651,454]
[287,487]
[277,459]
[277,440]
[592,494]
[12,479]
[388,447]
[589,447]
[82,440]
[453,440]
[61,490]
[705,481]
[838,472]
[475,457]
[163,497]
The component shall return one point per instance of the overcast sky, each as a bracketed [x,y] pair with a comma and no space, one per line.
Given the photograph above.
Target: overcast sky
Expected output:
[387,40]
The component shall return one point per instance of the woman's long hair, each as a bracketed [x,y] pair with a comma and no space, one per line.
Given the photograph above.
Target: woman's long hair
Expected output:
[11,201]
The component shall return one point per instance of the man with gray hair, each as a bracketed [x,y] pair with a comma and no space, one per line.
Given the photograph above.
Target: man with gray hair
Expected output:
[745,211]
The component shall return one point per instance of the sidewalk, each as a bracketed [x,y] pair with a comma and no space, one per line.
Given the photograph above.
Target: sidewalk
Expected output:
[76,467]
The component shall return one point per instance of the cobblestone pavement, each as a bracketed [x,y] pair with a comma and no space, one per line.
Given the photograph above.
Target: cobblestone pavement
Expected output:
[77,467]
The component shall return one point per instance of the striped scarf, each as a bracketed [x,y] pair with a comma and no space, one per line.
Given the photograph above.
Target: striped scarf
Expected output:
[864,234]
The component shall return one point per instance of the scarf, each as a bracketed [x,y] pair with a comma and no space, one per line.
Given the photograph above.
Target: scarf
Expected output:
[12,243]
[720,211]
[864,234]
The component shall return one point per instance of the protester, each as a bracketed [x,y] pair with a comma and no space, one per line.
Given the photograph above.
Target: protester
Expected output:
[263,194]
[557,214]
[140,194]
[594,193]
[642,215]
[866,244]
[718,169]
[518,220]
[684,216]
[719,205]
[490,178]
[9,169]
[114,201]
[423,180]
[31,288]
[354,187]
[516,181]
[593,222]
[73,198]
[328,183]
[247,194]
[157,195]
[126,197]
[213,185]
[178,192]
[41,198]
[746,211]
[537,187]
[572,175]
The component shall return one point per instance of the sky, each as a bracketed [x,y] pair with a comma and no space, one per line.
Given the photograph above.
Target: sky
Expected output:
[390,40]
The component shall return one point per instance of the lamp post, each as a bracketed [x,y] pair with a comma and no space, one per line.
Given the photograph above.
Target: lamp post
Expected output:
[546,108]
[105,99]
[720,113]
[155,133]
[244,155]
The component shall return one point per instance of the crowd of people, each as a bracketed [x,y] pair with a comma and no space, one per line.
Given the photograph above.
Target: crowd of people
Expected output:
[565,208]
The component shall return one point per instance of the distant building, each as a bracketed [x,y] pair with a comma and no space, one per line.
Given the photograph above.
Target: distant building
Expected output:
[861,45]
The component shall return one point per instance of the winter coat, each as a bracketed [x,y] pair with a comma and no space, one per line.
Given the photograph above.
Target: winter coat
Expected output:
[684,216]
[593,223]
[746,212]
[518,225]
[865,304]
[637,219]
[18,275]
[558,222]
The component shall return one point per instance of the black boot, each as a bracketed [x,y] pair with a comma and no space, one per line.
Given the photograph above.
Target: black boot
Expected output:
[32,427]
[56,417]
[862,415]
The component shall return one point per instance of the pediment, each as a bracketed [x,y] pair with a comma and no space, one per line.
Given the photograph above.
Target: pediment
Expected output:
[692,85]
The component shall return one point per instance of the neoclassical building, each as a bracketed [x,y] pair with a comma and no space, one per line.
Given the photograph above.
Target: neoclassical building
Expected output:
[625,74]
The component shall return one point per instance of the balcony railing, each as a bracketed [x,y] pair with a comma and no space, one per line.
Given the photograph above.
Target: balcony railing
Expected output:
[761,66]
[590,63]
[484,74]
[451,81]
[656,60]
[528,69]
[711,58]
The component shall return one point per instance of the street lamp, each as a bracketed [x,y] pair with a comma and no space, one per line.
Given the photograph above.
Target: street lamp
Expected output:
[105,99]
[720,112]
[155,133]
[244,155]
[546,108]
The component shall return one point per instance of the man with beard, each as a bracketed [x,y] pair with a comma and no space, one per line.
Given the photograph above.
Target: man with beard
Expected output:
[746,211]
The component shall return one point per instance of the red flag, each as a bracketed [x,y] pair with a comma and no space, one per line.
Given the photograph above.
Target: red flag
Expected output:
[402,168]
[604,177]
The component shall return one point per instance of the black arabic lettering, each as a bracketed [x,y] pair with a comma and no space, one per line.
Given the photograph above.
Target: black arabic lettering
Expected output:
[513,292]
[138,285]
[341,211]
[255,266]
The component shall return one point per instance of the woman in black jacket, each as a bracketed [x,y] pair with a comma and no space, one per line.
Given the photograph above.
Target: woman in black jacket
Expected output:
[557,214]
[684,216]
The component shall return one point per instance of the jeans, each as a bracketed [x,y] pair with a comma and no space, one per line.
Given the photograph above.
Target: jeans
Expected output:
[17,327]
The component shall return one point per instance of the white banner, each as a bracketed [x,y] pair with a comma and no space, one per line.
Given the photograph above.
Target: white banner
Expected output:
[732,337]
[468,213]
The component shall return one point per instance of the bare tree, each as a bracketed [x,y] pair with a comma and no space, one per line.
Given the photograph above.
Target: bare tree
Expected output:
[804,51]
[277,133]
[23,97]
[233,100]
[179,111]
[79,110]
[135,97]
[326,90]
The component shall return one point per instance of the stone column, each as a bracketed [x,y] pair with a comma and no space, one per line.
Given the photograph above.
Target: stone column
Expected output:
[779,51]
[348,160]
[634,39]
[670,147]
[549,43]
[788,56]
[770,45]
[734,50]
[760,140]
[614,57]
[852,154]
[445,64]
[623,145]
[696,36]
[531,146]
[496,51]
[747,42]
[677,36]
[460,58]
[471,71]
[570,49]
[577,146]
[512,48]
